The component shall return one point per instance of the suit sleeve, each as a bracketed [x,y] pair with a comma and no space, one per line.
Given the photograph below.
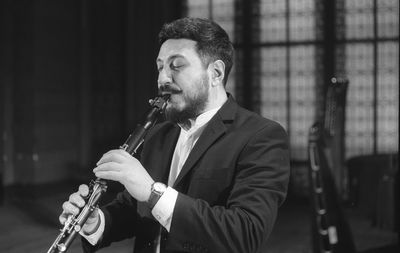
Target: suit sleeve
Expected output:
[245,222]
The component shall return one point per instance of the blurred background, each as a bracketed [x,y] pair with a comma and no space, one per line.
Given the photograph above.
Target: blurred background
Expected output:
[76,76]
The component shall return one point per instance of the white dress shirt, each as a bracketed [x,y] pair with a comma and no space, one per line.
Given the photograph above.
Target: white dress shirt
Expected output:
[164,208]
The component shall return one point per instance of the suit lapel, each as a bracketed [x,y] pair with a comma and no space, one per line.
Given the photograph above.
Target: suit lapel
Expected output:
[215,128]
[161,175]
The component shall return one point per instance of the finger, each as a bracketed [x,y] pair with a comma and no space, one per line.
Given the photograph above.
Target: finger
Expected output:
[112,156]
[83,190]
[109,175]
[62,218]
[120,152]
[77,199]
[69,209]
[124,153]
[109,166]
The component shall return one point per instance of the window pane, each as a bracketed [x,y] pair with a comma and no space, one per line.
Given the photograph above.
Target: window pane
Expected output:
[359,19]
[273,21]
[388,97]
[359,110]
[302,20]
[302,98]
[273,84]
[223,14]
[198,9]
[388,18]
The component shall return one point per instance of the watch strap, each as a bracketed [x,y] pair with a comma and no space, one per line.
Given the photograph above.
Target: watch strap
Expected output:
[155,195]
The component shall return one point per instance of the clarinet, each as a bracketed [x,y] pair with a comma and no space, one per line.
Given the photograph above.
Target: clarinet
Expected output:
[98,187]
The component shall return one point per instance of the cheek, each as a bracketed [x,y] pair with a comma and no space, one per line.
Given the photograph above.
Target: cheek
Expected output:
[182,79]
[191,83]
[187,76]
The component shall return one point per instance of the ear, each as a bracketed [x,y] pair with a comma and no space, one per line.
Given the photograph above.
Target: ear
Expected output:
[218,72]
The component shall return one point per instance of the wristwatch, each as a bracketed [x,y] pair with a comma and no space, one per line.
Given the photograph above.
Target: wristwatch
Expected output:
[157,190]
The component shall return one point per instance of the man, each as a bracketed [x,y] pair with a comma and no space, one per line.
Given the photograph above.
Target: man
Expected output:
[211,177]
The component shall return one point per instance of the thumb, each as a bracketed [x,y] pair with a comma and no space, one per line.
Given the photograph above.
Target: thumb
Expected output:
[92,223]
[94,217]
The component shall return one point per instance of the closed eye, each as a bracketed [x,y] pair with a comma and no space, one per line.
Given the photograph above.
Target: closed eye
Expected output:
[175,67]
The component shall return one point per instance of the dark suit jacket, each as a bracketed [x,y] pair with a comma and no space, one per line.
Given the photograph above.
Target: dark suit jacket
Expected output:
[230,187]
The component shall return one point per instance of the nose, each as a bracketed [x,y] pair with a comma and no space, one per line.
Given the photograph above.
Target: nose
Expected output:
[164,78]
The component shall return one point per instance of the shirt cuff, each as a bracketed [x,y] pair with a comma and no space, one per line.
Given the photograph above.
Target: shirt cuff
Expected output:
[164,208]
[95,237]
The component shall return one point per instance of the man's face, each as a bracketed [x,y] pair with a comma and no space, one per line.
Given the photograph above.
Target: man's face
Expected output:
[182,74]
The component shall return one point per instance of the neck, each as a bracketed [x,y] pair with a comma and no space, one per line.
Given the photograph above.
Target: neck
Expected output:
[216,99]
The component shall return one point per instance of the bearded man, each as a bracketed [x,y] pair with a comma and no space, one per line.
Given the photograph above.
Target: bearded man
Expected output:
[211,177]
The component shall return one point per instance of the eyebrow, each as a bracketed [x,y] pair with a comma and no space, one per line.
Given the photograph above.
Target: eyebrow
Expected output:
[172,57]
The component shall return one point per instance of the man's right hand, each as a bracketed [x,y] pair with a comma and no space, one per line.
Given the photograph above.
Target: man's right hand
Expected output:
[73,206]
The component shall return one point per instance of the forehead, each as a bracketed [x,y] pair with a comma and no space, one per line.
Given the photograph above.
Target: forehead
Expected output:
[177,47]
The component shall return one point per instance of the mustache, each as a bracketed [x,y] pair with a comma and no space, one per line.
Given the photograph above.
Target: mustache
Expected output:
[169,89]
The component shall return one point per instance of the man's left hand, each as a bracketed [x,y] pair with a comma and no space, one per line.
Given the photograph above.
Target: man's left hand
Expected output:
[119,165]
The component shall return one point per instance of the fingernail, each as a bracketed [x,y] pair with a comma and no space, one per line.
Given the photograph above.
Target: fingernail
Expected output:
[98,162]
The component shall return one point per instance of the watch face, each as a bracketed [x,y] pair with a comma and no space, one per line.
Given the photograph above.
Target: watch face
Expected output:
[159,187]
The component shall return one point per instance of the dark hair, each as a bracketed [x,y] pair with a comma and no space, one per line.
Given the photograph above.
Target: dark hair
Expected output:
[212,41]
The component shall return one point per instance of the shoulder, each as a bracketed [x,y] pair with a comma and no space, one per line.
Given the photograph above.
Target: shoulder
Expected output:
[237,118]
[256,123]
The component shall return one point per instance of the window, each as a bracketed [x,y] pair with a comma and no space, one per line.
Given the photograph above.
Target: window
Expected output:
[291,58]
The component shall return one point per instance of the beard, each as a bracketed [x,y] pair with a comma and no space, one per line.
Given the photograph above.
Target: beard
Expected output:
[195,102]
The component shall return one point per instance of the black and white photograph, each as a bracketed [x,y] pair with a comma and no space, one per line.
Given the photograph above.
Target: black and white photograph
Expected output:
[214,126]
